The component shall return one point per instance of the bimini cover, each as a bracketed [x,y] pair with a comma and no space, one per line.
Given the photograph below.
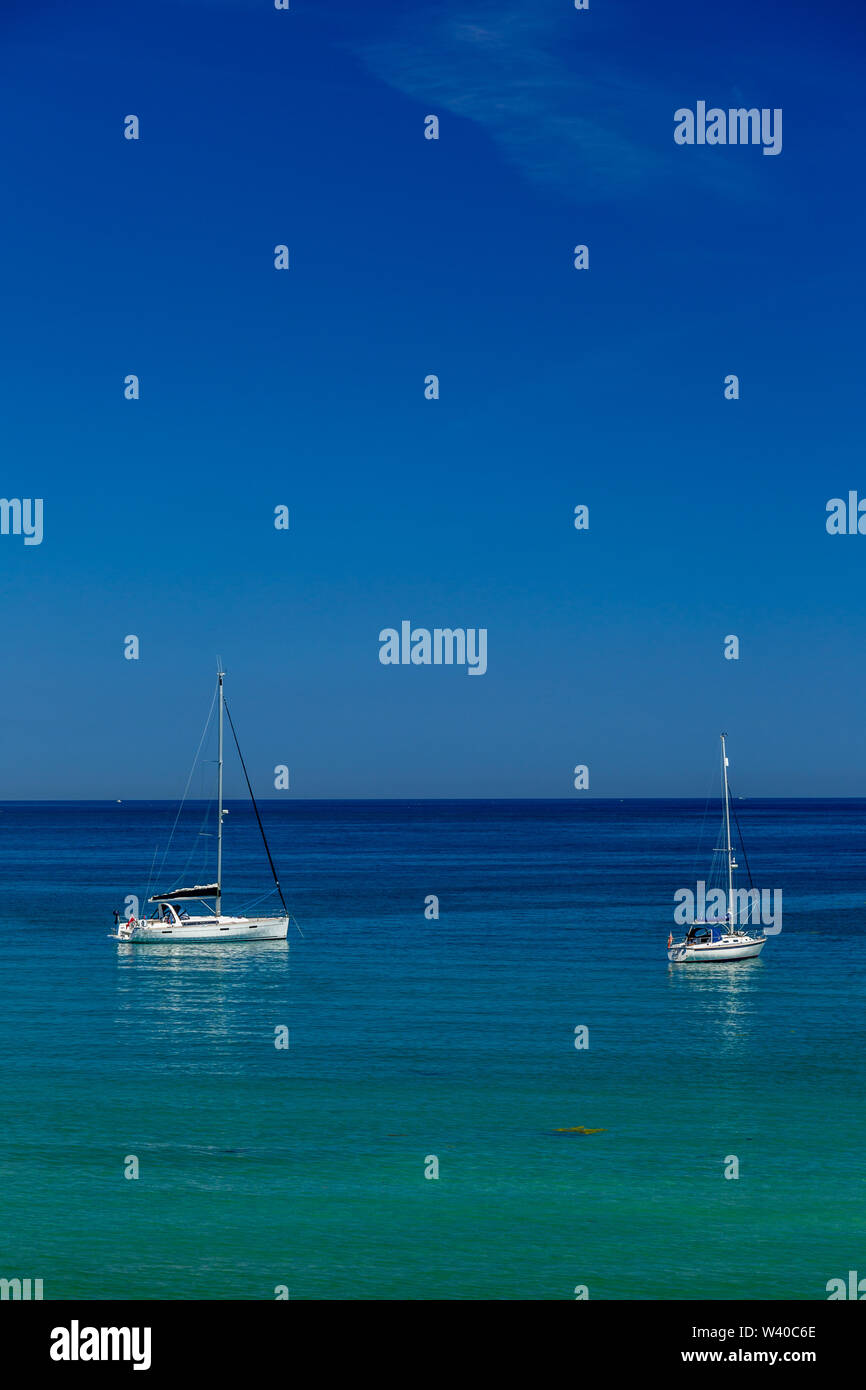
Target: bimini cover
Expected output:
[200,890]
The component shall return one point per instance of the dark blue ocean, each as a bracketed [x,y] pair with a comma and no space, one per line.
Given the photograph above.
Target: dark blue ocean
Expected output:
[416,1042]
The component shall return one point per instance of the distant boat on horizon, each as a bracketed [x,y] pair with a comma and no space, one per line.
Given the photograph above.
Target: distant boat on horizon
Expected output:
[169,924]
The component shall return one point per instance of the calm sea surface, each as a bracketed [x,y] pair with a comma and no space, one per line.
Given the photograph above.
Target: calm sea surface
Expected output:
[412,1038]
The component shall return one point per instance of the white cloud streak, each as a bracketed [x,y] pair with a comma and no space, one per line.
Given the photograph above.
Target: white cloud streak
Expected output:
[530,78]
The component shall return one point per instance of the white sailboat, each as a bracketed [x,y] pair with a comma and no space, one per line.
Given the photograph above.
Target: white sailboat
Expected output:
[171,921]
[723,940]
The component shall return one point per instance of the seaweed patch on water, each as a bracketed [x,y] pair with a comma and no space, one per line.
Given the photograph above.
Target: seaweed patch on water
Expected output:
[579,1129]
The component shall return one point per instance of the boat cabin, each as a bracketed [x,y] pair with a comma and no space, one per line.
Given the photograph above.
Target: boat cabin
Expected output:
[177,916]
[702,933]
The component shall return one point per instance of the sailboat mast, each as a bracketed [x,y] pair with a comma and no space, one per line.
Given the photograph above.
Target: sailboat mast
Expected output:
[219,873]
[730,912]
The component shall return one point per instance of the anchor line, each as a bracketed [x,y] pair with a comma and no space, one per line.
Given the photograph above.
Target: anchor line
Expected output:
[255,807]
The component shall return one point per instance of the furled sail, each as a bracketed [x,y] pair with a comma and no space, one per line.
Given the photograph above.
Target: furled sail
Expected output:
[199,890]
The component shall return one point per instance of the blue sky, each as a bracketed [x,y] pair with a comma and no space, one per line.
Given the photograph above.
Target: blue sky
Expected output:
[306,388]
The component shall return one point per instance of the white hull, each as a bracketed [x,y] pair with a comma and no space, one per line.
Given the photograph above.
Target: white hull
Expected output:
[207,929]
[729,948]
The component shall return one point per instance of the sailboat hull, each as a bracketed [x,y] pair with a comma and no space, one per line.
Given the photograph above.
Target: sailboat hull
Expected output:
[206,929]
[726,949]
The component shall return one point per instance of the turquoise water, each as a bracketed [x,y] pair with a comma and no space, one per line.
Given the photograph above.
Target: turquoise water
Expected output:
[305,1167]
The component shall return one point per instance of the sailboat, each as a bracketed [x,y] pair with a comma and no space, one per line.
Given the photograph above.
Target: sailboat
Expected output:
[719,940]
[171,921]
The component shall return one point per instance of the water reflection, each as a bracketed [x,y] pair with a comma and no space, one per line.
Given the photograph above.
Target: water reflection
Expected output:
[724,998]
[203,954]
[205,999]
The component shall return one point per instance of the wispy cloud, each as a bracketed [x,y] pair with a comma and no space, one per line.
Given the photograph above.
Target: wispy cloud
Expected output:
[561,114]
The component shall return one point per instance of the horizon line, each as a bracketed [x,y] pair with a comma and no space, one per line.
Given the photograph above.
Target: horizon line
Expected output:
[329,800]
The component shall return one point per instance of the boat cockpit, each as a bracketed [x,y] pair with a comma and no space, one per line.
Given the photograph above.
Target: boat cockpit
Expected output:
[702,934]
[165,912]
